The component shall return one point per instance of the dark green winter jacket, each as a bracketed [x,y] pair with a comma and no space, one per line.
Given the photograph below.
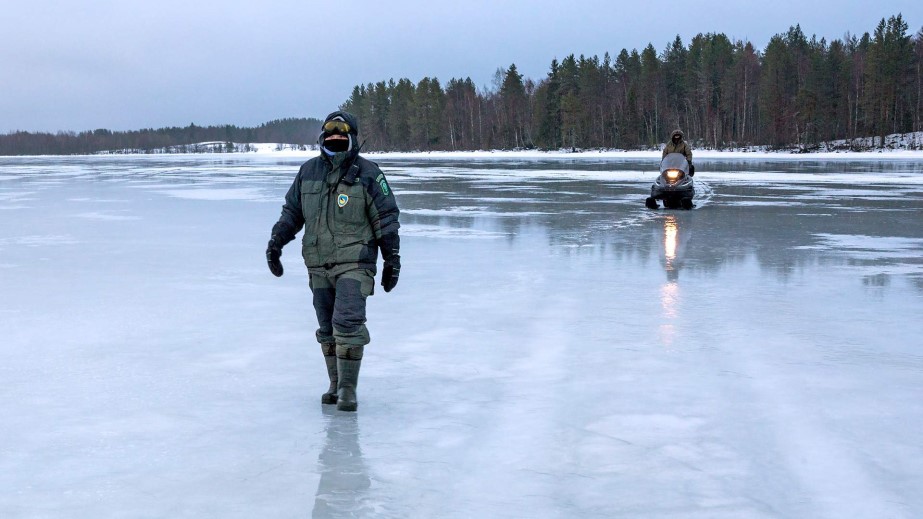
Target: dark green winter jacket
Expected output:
[347,214]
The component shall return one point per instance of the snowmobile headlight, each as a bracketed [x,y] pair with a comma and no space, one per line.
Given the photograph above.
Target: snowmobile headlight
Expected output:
[673,174]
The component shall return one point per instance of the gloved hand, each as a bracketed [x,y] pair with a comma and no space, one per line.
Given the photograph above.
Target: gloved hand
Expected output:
[273,253]
[390,273]
[391,252]
[691,170]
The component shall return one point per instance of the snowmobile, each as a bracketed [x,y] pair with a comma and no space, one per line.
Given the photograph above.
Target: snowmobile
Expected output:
[674,185]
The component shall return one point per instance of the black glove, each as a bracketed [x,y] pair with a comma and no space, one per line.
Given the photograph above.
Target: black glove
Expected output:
[390,273]
[390,245]
[273,253]
[691,170]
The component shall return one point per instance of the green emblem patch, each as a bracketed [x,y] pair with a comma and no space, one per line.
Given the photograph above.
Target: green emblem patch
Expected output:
[342,200]
[384,184]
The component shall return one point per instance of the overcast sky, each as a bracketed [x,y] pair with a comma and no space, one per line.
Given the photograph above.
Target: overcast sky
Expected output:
[124,64]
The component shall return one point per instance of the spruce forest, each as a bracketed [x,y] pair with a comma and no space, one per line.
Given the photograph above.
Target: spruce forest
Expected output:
[797,92]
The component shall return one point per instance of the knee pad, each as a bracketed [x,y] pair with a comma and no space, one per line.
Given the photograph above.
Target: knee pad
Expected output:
[329,348]
[345,351]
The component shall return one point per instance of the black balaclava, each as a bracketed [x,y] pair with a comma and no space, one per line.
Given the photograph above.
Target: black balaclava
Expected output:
[340,148]
[337,145]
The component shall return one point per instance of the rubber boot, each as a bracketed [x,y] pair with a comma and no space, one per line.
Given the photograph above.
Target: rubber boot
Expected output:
[330,358]
[348,361]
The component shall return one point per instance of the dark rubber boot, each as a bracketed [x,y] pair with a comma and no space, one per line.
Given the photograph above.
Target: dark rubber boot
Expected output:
[330,397]
[330,358]
[349,378]
[651,203]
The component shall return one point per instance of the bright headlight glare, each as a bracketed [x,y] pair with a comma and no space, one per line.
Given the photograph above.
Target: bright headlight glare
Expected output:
[673,174]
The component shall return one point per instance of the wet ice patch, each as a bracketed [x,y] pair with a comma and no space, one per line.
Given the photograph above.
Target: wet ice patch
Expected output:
[219,194]
[16,196]
[764,178]
[511,200]
[506,176]
[98,200]
[875,257]
[39,240]
[764,203]
[436,231]
[864,194]
[110,216]
[872,247]
[471,212]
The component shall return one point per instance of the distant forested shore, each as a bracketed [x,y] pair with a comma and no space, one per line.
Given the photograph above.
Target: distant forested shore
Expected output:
[301,131]
[797,93]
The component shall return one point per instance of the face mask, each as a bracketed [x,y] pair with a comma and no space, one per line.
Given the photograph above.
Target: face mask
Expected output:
[336,145]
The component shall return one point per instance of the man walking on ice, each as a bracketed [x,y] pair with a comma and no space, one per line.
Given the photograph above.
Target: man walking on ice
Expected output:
[349,213]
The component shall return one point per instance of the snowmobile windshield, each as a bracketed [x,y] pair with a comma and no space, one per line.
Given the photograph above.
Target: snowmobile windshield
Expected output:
[675,161]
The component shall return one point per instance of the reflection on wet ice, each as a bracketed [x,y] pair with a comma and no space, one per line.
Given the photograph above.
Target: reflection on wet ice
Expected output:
[344,480]
[669,292]
[669,242]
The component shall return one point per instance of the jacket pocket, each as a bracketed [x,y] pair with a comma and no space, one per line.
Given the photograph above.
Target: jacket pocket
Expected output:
[311,199]
[309,250]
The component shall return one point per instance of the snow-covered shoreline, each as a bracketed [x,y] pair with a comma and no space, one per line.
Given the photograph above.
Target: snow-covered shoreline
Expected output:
[268,150]
[648,155]
[898,147]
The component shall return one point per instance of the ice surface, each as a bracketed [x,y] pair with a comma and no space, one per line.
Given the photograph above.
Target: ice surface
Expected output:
[554,349]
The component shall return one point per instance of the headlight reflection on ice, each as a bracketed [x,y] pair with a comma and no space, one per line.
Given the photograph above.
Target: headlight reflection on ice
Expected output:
[669,292]
[669,240]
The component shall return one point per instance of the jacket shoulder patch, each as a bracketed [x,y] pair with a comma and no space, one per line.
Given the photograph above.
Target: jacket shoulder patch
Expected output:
[384,184]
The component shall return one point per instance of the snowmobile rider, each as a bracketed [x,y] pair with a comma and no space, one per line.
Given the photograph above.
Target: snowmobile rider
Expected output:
[349,213]
[678,145]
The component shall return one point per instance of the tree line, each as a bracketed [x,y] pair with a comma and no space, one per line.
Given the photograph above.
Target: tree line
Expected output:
[302,131]
[798,91]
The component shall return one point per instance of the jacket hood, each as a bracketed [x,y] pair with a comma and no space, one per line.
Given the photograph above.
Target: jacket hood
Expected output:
[674,134]
[353,123]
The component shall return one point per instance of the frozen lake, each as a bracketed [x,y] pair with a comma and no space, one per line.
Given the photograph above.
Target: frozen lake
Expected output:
[553,349]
